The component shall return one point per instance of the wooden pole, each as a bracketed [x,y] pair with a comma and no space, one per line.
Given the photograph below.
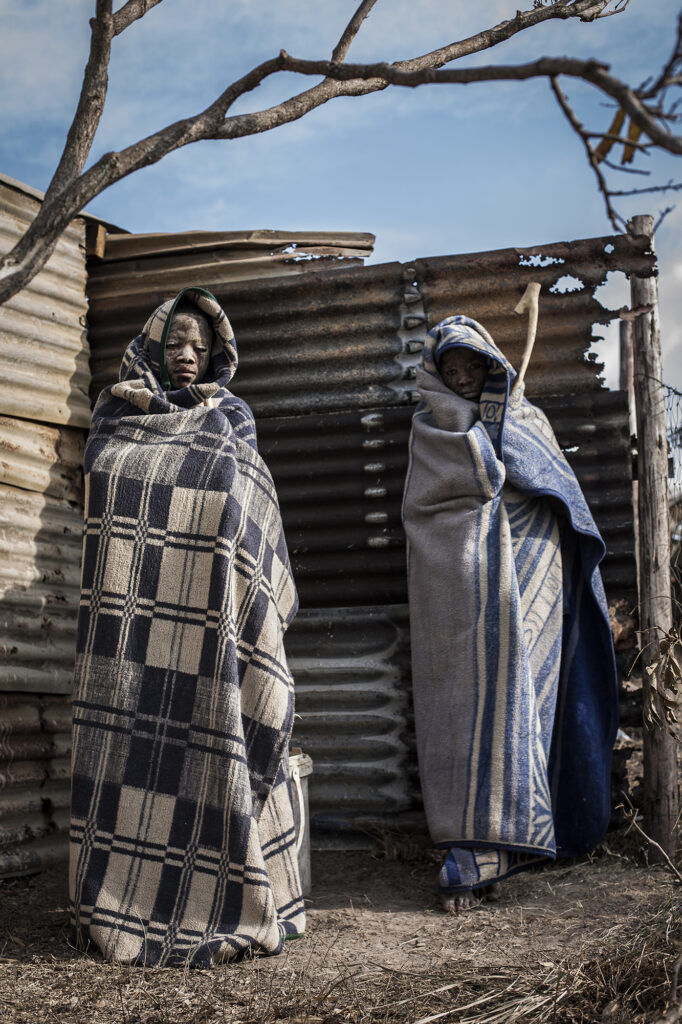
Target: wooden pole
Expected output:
[626,382]
[661,795]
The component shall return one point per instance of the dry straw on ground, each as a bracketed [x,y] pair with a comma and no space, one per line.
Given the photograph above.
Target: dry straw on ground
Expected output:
[589,941]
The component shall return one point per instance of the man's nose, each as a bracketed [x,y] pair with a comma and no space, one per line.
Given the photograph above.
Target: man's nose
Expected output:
[186,354]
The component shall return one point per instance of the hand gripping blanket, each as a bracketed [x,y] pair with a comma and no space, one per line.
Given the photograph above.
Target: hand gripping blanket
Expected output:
[182,832]
[513,669]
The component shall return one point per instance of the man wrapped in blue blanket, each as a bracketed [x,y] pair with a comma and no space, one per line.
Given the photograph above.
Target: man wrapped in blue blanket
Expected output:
[513,669]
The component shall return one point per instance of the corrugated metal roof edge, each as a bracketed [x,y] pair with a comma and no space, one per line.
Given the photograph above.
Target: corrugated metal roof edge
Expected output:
[35,193]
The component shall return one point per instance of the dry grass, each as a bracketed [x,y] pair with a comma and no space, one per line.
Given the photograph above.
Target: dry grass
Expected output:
[615,972]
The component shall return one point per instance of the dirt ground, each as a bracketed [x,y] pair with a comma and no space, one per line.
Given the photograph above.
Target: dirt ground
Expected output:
[591,940]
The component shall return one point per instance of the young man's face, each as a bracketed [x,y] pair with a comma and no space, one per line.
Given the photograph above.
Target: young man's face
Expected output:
[464,372]
[188,349]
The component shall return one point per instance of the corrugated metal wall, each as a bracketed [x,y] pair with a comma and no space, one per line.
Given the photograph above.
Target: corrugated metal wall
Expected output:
[44,371]
[327,362]
[44,410]
[135,273]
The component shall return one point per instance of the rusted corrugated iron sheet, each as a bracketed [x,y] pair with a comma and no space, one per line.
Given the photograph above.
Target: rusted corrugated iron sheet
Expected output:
[320,340]
[138,272]
[340,480]
[279,250]
[40,458]
[354,718]
[351,339]
[342,348]
[44,371]
[40,548]
[487,285]
[35,746]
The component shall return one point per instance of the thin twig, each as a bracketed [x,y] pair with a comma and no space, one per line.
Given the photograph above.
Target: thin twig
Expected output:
[670,187]
[674,1011]
[616,220]
[625,170]
[631,816]
[617,138]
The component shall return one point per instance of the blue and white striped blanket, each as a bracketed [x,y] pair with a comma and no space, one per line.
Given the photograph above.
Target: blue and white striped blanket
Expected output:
[182,831]
[513,668]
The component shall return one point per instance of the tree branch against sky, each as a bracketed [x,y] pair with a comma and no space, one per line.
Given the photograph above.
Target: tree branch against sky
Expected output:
[637,117]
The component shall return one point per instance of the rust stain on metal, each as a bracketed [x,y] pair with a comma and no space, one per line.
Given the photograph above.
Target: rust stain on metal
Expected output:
[39,458]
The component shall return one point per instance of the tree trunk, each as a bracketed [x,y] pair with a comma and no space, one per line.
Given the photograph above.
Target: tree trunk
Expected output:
[661,797]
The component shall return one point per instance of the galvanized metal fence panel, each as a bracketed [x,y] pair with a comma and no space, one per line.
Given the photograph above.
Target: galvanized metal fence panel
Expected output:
[44,372]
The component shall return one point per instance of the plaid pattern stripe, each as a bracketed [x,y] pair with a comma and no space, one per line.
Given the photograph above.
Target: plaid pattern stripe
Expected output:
[182,833]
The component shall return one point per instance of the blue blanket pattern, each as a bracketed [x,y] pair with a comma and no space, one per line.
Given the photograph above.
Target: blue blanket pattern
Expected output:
[513,668]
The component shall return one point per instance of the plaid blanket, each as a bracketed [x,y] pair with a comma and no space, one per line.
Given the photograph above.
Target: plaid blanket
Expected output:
[513,668]
[182,832]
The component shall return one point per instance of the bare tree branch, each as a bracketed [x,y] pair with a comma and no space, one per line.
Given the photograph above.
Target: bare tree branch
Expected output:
[666,76]
[630,813]
[618,9]
[90,102]
[662,214]
[643,146]
[616,220]
[670,187]
[592,71]
[72,188]
[130,12]
[625,170]
[351,30]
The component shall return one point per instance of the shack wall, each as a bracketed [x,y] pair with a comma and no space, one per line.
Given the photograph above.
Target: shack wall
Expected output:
[44,411]
[327,362]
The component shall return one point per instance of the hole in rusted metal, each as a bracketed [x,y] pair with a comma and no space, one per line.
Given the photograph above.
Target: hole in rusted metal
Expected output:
[567,283]
[538,260]
[612,294]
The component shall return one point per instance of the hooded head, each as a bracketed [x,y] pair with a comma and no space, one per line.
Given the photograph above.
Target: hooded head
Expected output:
[151,357]
[462,341]
[468,336]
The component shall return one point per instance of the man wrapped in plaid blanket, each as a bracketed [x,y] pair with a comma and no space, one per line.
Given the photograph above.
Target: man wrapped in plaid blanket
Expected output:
[182,832]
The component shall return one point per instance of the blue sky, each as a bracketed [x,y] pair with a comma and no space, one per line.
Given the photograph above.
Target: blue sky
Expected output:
[437,170]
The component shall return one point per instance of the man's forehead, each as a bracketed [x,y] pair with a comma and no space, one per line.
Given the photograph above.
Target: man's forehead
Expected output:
[184,319]
[462,353]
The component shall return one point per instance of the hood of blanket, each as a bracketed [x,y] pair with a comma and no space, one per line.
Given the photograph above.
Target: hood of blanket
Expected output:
[450,409]
[145,357]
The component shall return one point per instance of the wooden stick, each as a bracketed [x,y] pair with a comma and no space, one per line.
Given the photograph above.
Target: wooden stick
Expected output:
[529,303]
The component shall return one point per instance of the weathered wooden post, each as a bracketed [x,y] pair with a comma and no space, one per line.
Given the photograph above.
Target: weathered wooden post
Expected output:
[626,370]
[661,796]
